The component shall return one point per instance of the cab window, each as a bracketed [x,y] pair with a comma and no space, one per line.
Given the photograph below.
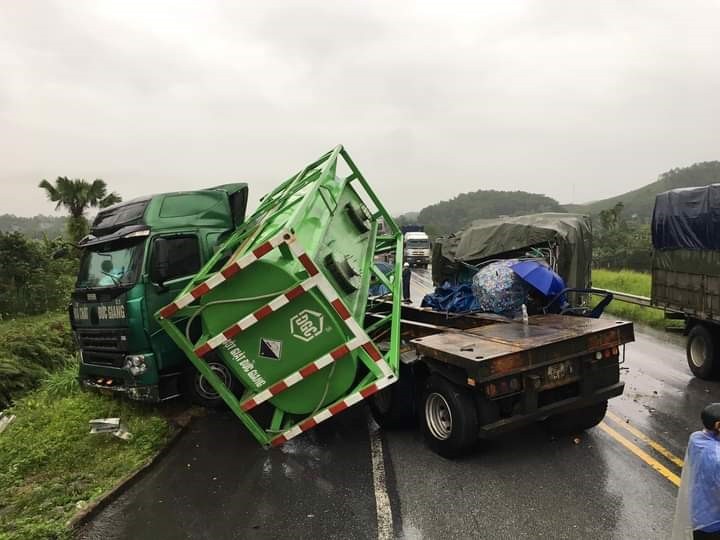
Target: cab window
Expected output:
[183,256]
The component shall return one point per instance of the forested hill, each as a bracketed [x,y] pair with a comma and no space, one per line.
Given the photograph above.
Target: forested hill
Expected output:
[640,202]
[450,216]
[33,227]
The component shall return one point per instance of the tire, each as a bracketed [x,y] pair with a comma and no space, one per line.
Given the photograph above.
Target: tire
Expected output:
[701,352]
[448,416]
[394,406]
[199,391]
[578,420]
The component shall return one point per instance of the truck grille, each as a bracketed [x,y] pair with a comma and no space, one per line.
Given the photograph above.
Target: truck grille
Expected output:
[105,347]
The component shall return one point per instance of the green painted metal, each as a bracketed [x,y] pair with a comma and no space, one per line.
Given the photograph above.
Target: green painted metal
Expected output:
[326,214]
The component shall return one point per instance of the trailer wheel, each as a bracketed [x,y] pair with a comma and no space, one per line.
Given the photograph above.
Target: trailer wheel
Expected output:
[701,352]
[200,391]
[578,420]
[394,406]
[449,417]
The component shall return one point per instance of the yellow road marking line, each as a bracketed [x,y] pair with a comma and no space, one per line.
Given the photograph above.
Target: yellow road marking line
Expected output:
[660,449]
[647,458]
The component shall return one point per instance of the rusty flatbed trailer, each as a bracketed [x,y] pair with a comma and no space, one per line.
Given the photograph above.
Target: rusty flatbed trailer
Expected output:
[476,376]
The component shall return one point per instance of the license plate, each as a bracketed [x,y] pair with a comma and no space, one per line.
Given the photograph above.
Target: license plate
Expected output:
[558,372]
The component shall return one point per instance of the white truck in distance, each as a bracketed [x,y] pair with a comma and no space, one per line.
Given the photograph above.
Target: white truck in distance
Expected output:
[417,249]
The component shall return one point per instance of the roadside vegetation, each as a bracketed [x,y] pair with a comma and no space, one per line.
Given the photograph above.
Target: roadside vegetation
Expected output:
[631,282]
[33,347]
[51,467]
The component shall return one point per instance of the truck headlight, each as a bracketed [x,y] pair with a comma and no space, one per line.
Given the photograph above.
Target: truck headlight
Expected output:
[135,364]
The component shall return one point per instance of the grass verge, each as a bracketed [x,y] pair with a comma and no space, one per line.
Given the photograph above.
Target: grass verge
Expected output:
[33,347]
[630,282]
[51,467]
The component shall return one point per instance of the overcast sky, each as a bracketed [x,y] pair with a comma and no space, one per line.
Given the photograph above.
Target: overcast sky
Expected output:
[577,100]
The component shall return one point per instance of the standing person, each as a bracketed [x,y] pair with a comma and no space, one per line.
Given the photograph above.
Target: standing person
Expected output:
[406,274]
[700,486]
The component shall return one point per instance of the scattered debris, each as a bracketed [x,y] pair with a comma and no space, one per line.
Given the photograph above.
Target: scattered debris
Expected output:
[5,420]
[110,425]
[577,440]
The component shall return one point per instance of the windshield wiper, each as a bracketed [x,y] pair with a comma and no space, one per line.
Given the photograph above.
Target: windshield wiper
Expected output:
[116,281]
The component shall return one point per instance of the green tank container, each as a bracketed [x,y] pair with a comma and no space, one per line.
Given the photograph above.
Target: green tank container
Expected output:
[282,303]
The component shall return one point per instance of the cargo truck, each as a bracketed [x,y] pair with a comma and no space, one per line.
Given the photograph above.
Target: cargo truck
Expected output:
[284,305]
[686,270]
[137,257]
[417,249]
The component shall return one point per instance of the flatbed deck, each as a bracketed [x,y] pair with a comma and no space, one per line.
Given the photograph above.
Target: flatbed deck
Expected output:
[492,348]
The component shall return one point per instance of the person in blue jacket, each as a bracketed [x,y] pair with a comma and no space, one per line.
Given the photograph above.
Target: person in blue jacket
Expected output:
[703,467]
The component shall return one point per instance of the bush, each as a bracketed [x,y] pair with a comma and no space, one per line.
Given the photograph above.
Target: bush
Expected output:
[32,348]
[33,280]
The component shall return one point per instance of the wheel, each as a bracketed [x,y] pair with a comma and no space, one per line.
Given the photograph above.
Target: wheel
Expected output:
[449,418]
[199,390]
[394,406]
[577,420]
[701,352]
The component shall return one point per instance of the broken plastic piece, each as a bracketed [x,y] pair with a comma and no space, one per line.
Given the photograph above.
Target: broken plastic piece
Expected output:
[110,425]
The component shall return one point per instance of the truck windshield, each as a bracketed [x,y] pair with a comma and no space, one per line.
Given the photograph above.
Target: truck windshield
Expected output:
[418,244]
[110,265]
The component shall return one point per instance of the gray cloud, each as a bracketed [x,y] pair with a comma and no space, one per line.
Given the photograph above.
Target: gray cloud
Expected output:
[564,98]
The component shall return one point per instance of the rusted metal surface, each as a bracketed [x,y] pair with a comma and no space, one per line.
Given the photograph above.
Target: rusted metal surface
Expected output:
[503,348]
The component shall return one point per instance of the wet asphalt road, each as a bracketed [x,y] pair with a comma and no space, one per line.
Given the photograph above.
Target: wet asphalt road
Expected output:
[217,483]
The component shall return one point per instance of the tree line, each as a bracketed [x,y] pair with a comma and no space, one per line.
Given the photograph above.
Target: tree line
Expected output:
[38,273]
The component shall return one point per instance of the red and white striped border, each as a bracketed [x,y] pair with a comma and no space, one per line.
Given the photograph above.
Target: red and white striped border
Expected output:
[303,373]
[316,279]
[225,274]
[332,410]
[249,320]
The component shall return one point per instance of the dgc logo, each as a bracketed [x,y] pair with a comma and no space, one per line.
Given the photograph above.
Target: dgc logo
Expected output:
[306,325]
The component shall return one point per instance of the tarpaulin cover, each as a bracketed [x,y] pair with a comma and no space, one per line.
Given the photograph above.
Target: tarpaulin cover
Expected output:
[510,237]
[452,298]
[687,218]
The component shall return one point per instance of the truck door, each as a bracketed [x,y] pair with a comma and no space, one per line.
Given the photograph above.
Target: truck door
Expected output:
[184,259]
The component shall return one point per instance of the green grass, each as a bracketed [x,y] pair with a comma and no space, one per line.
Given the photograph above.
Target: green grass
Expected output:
[630,282]
[32,348]
[50,466]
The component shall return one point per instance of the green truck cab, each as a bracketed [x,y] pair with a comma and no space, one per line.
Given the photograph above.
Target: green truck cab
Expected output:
[138,256]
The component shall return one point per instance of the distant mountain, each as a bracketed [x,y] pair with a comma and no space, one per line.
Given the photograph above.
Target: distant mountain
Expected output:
[450,216]
[640,201]
[33,227]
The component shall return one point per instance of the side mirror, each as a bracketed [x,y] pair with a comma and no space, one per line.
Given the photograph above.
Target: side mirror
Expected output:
[160,262]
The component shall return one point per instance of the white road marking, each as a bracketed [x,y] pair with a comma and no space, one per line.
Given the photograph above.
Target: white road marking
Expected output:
[382,499]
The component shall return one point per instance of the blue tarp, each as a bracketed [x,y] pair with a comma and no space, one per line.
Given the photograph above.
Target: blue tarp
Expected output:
[452,298]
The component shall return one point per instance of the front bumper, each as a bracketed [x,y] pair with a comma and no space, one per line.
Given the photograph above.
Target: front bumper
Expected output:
[149,393]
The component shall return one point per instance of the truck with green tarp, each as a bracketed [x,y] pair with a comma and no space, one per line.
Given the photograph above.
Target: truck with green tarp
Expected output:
[565,240]
[686,270]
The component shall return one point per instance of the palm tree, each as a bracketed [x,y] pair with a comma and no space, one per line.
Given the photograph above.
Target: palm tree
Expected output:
[76,196]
